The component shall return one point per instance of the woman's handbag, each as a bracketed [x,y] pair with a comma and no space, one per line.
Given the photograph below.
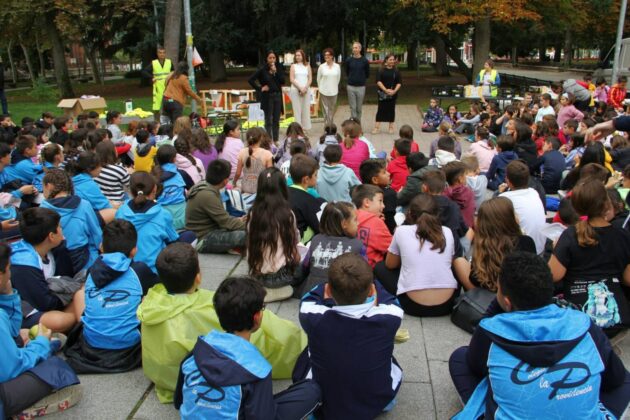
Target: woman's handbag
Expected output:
[470,308]
[382,96]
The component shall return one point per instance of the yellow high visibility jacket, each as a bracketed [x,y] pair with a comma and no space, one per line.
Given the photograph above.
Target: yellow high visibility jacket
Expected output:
[160,73]
[493,78]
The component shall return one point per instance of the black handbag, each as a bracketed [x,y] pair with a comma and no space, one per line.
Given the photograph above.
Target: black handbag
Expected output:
[382,96]
[470,307]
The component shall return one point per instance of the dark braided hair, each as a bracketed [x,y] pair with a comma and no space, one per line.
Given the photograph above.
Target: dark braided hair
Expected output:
[254,137]
[184,147]
[61,182]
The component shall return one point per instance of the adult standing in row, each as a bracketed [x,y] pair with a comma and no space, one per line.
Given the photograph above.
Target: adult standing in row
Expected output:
[158,72]
[388,81]
[328,77]
[268,81]
[301,77]
[177,88]
[357,72]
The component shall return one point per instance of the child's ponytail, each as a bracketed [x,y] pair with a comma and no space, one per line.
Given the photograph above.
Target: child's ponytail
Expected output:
[589,199]
[423,212]
[228,127]
[61,182]
[334,214]
[254,137]
[183,146]
[351,131]
[141,185]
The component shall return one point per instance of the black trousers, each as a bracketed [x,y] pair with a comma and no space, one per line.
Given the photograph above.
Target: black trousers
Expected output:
[465,381]
[172,109]
[272,105]
[389,280]
[22,392]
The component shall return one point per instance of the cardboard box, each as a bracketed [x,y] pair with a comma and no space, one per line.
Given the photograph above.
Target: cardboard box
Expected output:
[76,106]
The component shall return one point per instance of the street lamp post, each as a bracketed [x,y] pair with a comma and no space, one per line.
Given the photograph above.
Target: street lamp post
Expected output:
[622,17]
[189,50]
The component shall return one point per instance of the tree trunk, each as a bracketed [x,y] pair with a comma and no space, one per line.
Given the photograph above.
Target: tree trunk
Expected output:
[12,64]
[514,56]
[101,55]
[568,48]
[91,56]
[59,59]
[29,64]
[557,51]
[172,29]
[481,44]
[453,52]
[412,60]
[217,67]
[542,53]
[145,59]
[40,56]
[441,61]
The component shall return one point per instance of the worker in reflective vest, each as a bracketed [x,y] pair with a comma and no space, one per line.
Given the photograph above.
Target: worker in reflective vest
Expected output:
[158,72]
[488,76]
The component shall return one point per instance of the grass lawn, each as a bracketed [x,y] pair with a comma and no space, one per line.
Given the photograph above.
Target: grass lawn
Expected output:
[416,90]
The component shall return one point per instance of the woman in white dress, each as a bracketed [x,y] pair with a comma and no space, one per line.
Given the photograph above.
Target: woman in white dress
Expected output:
[328,76]
[301,78]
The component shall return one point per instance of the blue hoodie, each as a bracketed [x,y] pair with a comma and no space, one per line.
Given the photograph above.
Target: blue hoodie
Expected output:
[154,226]
[38,182]
[555,356]
[228,367]
[112,294]
[14,360]
[86,188]
[27,276]
[80,227]
[23,168]
[334,182]
[496,172]
[174,187]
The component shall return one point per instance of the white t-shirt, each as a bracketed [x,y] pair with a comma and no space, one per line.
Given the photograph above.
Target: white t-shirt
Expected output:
[546,110]
[328,79]
[300,72]
[423,268]
[531,214]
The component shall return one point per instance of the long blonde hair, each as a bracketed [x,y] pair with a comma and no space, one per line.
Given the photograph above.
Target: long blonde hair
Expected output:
[496,235]
[180,124]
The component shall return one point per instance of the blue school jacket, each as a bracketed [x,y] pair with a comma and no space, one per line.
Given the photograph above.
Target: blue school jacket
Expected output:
[23,169]
[80,227]
[174,187]
[227,369]
[555,356]
[350,352]
[28,278]
[112,295]
[86,188]
[38,182]
[154,226]
[15,360]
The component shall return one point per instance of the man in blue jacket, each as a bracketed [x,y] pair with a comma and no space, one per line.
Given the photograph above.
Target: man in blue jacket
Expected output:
[227,377]
[536,359]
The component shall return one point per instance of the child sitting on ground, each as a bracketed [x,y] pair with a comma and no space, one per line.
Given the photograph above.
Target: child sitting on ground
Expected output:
[433,117]
[374,172]
[22,168]
[338,235]
[335,180]
[406,132]
[28,372]
[450,214]
[62,126]
[173,195]
[373,232]
[305,207]
[397,167]
[35,259]
[78,220]
[144,152]
[496,172]
[551,165]
[184,160]
[217,231]
[483,149]
[109,340]
[351,322]
[476,182]
[445,152]
[445,129]
[418,165]
[177,310]
[459,192]
[252,161]
[113,179]
[9,202]
[297,147]
[153,224]
[231,363]
[330,137]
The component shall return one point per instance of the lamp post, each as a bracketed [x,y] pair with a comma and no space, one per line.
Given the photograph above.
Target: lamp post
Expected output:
[189,50]
[622,17]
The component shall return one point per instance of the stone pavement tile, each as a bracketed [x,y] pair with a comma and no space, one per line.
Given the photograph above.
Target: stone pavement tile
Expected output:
[442,337]
[289,309]
[107,396]
[153,409]
[414,401]
[411,356]
[218,260]
[446,400]
[212,277]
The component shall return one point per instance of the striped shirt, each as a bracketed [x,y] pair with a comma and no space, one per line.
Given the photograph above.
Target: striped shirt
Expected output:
[112,181]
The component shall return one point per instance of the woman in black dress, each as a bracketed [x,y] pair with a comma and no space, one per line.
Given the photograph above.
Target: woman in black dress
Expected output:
[388,81]
[268,81]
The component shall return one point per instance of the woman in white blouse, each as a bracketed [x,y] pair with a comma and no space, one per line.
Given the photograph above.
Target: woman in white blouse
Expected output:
[328,76]
[301,77]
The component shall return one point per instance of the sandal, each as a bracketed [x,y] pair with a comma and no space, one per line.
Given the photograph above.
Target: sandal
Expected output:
[376,130]
[391,130]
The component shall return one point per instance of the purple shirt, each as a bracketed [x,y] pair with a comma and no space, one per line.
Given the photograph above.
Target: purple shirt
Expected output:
[206,158]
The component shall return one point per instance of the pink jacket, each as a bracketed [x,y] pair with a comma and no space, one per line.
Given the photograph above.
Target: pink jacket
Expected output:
[484,154]
[567,113]
[230,152]
[355,155]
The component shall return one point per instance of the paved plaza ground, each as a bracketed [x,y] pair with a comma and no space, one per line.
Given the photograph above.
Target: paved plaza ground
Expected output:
[427,391]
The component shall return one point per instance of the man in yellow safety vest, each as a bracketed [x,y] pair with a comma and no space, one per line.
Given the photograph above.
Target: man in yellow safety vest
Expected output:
[488,76]
[158,72]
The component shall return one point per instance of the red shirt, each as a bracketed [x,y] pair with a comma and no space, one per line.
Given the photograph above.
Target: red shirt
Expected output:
[398,170]
[375,236]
